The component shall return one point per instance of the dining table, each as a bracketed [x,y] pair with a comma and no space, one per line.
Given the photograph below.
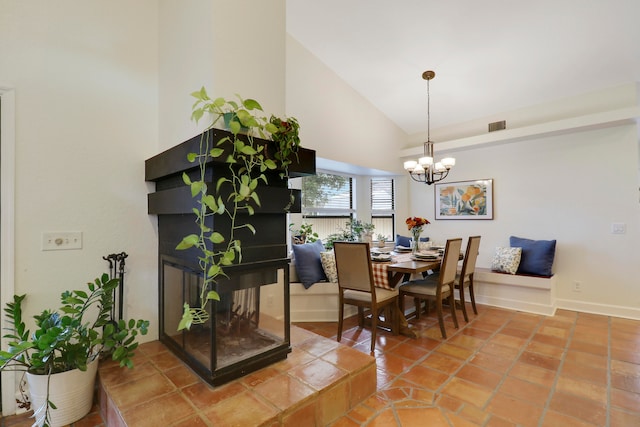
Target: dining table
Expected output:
[390,273]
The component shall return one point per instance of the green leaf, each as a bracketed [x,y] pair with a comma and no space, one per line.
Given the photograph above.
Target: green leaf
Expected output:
[252,104]
[248,150]
[191,157]
[188,242]
[270,164]
[216,237]
[187,318]
[197,187]
[213,271]
[216,152]
[213,295]
[244,191]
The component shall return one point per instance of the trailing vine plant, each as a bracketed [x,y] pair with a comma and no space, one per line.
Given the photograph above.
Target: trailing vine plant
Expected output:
[247,160]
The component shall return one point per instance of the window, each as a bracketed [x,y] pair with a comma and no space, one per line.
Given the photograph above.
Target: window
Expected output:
[383,206]
[327,202]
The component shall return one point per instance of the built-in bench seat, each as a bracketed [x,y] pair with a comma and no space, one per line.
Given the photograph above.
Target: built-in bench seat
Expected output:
[532,294]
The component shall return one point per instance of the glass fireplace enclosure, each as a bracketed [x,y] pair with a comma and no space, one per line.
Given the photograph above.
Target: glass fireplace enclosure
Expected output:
[247,329]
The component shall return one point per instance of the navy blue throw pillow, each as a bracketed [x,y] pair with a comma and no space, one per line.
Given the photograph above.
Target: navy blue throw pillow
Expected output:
[537,256]
[406,241]
[308,264]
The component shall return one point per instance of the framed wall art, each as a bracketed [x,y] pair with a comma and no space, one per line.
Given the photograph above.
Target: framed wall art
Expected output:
[464,199]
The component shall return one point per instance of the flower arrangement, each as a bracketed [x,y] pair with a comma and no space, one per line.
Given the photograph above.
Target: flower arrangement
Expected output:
[416,222]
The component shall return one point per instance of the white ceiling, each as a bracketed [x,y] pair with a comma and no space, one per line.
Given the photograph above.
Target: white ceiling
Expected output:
[489,56]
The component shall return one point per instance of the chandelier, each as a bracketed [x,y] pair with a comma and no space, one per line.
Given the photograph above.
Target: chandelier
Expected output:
[425,170]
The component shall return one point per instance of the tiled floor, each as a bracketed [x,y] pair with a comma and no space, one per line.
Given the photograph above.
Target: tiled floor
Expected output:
[503,368]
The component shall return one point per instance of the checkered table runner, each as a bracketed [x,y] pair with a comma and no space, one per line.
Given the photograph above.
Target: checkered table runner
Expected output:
[380,270]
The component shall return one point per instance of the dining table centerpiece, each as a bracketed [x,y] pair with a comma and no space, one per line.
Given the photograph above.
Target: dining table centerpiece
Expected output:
[415,225]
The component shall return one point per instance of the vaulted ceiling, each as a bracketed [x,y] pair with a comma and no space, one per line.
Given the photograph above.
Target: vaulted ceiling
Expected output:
[489,56]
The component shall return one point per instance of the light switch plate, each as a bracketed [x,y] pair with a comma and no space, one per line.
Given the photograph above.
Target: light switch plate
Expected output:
[618,228]
[63,240]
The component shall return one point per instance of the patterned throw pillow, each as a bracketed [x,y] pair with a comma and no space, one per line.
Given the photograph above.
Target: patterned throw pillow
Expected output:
[329,266]
[506,260]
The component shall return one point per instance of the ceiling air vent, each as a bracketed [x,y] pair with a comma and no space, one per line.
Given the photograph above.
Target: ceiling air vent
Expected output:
[497,126]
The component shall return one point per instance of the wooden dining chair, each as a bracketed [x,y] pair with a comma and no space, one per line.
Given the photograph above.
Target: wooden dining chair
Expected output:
[436,287]
[464,278]
[356,287]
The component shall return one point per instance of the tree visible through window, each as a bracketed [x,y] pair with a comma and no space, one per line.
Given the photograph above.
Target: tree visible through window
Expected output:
[327,202]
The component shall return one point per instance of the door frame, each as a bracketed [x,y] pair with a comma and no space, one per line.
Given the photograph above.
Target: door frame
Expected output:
[7,227]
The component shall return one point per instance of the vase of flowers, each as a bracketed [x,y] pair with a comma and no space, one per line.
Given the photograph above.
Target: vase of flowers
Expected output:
[415,225]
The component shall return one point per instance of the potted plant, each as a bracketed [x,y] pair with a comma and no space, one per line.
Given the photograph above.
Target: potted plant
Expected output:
[303,234]
[247,159]
[382,240]
[66,343]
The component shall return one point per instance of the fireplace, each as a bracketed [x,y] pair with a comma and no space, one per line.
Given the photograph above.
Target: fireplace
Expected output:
[249,327]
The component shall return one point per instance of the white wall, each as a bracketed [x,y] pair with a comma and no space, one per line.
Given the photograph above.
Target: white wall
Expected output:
[86,117]
[570,188]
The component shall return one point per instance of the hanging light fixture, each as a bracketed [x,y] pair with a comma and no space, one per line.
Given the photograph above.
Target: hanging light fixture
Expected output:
[425,170]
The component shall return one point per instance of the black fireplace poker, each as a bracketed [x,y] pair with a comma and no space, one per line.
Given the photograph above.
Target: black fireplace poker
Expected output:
[116,270]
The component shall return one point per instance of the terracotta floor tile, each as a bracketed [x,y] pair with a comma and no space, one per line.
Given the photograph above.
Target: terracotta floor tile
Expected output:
[145,389]
[318,346]
[587,359]
[181,376]
[576,370]
[426,377]
[469,392]
[203,395]
[474,414]
[333,403]
[578,407]
[284,391]
[549,339]
[230,411]
[515,410]
[625,354]
[318,373]
[362,384]
[492,362]
[501,351]
[393,364]
[496,421]
[386,418]
[555,419]
[625,400]
[479,376]
[546,349]
[162,411]
[409,351]
[348,359]
[475,332]
[540,360]
[415,417]
[459,421]
[507,341]
[442,363]
[525,390]
[524,334]
[467,341]
[624,419]
[455,351]
[533,374]
[589,347]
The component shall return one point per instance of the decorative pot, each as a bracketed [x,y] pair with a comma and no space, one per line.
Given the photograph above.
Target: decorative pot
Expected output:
[71,392]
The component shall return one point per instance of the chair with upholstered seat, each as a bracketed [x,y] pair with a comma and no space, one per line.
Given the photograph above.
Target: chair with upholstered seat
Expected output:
[356,287]
[465,277]
[437,287]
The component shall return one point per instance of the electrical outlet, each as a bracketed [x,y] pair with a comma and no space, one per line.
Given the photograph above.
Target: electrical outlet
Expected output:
[577,286]
[64,240]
